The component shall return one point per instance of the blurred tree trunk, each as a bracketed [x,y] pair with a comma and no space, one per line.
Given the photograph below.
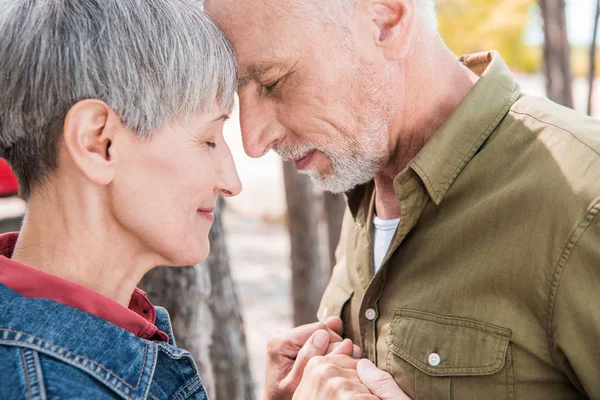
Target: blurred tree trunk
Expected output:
[592,73]
[303,220]
[557,52]
[206,318]
[335,206]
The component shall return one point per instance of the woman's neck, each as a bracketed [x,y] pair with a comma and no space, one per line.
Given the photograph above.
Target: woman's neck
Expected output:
[75,242]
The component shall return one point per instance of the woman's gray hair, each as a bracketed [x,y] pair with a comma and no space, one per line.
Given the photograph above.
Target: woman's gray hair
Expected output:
[149,60]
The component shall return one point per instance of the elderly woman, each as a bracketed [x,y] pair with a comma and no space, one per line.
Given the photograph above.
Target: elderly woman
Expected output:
[111,116]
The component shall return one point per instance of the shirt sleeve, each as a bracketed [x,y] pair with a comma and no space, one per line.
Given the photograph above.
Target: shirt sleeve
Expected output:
[574,324]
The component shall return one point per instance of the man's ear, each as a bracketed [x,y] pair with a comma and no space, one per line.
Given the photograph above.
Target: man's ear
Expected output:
[88,139]
[394,22]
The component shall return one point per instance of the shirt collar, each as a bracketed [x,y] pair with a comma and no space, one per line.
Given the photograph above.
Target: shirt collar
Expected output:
[443,158]
[138,319]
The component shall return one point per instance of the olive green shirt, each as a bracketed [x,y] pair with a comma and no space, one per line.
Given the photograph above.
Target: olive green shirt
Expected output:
[491,286]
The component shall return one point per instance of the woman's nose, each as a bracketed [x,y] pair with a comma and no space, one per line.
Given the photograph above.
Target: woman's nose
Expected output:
[228,184]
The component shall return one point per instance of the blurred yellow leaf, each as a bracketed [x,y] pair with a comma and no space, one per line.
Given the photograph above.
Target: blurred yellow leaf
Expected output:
[469,26]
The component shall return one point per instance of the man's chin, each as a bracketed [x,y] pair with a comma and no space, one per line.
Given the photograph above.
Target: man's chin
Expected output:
[329,182]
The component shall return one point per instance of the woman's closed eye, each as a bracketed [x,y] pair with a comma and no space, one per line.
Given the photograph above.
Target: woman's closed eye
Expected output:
[203,140]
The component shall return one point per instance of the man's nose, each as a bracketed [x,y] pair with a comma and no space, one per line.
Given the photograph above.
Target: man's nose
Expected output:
[228,180]
[261,130]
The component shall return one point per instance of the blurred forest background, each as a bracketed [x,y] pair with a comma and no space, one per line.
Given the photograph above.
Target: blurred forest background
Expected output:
[272,246]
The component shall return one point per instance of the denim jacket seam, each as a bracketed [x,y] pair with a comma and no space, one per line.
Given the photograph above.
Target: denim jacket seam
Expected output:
[153,395]
[39,375]
[77,355]
[154,362]
[574,237]
[193,381]
[27,377]
[33,374]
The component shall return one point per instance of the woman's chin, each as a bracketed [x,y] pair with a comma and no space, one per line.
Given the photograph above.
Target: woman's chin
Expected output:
[190,256]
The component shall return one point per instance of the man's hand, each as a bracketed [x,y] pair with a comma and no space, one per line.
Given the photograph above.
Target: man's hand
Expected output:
[332,377]
[289,352]
[379,382]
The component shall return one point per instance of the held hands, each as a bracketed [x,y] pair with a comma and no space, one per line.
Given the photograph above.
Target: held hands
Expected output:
[332,376]
[313,362]
[337,376]
[289,352]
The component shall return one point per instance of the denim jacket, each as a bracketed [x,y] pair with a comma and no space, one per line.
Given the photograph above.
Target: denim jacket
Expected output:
[52,351]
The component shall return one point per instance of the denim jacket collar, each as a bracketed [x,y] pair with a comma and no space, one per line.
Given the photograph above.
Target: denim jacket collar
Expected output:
[118,359]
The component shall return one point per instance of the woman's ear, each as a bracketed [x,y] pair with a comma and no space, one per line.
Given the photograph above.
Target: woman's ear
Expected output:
[88,138]
[395,22]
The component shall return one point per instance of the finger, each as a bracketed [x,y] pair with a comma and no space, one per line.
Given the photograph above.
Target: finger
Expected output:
[356,351]
[288,343]
[379,382]
[340,360]
[335,324]
[315,346]
[345,347]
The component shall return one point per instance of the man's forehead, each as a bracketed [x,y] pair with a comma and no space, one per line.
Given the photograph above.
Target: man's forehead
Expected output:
[250,11]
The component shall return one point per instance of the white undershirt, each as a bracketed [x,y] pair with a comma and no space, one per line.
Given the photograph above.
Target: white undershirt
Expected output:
[384,231]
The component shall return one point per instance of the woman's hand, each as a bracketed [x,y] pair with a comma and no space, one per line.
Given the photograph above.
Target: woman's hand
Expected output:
[288,354]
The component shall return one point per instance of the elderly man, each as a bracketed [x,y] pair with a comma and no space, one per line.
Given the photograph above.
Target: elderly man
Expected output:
[469,263]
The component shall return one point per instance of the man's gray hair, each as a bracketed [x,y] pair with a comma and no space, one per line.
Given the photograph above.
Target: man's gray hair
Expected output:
[426,10]
[149,60]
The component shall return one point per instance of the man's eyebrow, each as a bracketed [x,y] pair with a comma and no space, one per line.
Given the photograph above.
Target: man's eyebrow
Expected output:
[252,72]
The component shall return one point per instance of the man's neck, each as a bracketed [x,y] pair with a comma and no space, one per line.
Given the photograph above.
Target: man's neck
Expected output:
[433,92]
[80,247]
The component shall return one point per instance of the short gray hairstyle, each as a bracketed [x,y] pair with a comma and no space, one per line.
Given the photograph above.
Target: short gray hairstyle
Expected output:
[149,60]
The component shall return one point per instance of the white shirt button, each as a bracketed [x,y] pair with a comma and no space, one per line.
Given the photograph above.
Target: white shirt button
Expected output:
[434,359]
[370,314]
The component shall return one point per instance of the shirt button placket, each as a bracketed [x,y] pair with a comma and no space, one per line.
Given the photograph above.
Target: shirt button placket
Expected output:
[370,317]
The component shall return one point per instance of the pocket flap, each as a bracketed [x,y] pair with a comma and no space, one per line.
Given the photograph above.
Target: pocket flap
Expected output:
[464,347]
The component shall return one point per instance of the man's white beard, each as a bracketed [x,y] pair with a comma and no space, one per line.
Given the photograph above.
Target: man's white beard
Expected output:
[345,174]
[358,168]
[359,164]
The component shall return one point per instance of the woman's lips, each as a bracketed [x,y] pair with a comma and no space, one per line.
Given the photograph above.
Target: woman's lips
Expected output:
[304,161]
[207,213]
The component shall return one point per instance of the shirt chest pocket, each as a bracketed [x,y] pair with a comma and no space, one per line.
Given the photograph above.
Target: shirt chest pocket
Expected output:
[434,357]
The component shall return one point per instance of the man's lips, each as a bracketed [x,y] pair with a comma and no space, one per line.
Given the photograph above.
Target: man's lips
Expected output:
[208,213]
[303,161]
